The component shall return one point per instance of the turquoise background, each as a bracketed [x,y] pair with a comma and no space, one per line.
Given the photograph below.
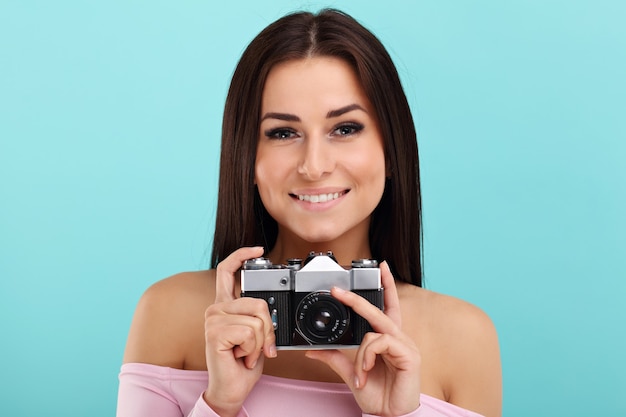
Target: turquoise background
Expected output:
[110,117]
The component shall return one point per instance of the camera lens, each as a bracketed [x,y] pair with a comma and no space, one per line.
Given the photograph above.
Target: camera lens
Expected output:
[321,319]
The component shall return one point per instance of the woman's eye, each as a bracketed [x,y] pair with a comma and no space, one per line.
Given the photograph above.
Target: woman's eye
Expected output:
[348,129]
[280,134]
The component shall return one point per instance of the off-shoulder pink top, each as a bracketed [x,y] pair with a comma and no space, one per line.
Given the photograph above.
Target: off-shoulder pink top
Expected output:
[150,390]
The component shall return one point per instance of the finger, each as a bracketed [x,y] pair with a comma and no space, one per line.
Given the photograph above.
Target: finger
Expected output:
[239,343]
[365,358]
[379,321]
[398,353]
[250,350]
[392,301]
[255,344]
[338,362]
[366,355]
[269,346]
[242,338]
[250,312]
[257,308]
[226,270]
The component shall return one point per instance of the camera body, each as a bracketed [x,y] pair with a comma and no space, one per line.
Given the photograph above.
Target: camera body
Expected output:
[304,314]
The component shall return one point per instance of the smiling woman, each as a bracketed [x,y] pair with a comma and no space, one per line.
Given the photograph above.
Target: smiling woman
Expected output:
[319,154]
[321,169]
[242,218]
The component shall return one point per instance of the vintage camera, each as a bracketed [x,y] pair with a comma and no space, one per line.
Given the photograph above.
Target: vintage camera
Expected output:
[304,314]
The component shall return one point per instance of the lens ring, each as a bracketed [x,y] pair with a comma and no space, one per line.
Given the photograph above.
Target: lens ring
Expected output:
[321,319]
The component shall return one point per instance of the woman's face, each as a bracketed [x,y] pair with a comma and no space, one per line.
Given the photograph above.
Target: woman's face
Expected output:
[320,164]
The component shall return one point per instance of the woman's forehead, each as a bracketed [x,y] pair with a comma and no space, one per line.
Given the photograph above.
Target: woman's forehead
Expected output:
[323,83]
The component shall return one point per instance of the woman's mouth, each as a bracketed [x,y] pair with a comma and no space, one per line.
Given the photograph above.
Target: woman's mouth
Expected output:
[319,198]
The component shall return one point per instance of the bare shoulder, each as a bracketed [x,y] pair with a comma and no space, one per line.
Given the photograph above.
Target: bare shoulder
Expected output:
[169,319]
[459,346]
[443,313]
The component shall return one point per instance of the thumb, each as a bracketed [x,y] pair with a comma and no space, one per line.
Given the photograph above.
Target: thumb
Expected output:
[225,272]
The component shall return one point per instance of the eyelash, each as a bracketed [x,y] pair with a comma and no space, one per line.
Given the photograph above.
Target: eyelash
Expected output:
[277,133]
[283,133]
[355,128]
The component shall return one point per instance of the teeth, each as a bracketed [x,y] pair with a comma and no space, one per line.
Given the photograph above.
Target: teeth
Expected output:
[319,198]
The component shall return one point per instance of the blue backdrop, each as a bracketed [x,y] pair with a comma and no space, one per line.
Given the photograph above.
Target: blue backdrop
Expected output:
[110,117]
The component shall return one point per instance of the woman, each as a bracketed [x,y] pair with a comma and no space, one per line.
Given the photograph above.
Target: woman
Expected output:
[319,154]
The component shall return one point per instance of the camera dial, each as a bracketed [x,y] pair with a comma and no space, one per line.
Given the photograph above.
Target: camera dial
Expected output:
[257,263]
[294,264]
[364,263]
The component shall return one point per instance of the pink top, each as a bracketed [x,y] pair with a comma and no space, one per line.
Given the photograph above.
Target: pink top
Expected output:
[150,390]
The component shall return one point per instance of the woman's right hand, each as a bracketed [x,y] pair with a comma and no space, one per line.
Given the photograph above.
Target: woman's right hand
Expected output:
[238,334]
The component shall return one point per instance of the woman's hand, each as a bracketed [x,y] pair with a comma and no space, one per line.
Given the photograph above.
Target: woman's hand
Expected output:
[238,333]
[385,374]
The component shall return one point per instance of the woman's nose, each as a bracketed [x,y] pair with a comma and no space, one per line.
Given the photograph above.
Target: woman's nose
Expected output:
[317,159]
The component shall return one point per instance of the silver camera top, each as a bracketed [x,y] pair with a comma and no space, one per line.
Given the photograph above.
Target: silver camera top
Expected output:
[364,263]
[320,272]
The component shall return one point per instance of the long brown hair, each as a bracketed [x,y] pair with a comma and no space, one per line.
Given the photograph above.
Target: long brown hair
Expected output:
[396,227]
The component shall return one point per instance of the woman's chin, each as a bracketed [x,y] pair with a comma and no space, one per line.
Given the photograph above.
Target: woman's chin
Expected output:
[323,240]
[319,238]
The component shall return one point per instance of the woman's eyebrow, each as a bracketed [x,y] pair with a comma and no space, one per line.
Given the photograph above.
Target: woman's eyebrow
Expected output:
[281,116]
[293,118]
[343,110]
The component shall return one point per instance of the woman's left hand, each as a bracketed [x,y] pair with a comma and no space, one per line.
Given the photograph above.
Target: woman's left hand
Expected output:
[385,374]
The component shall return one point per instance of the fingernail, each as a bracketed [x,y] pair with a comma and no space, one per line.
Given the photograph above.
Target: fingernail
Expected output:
[357,383]
[272,351]
[339,290]
[253,365]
